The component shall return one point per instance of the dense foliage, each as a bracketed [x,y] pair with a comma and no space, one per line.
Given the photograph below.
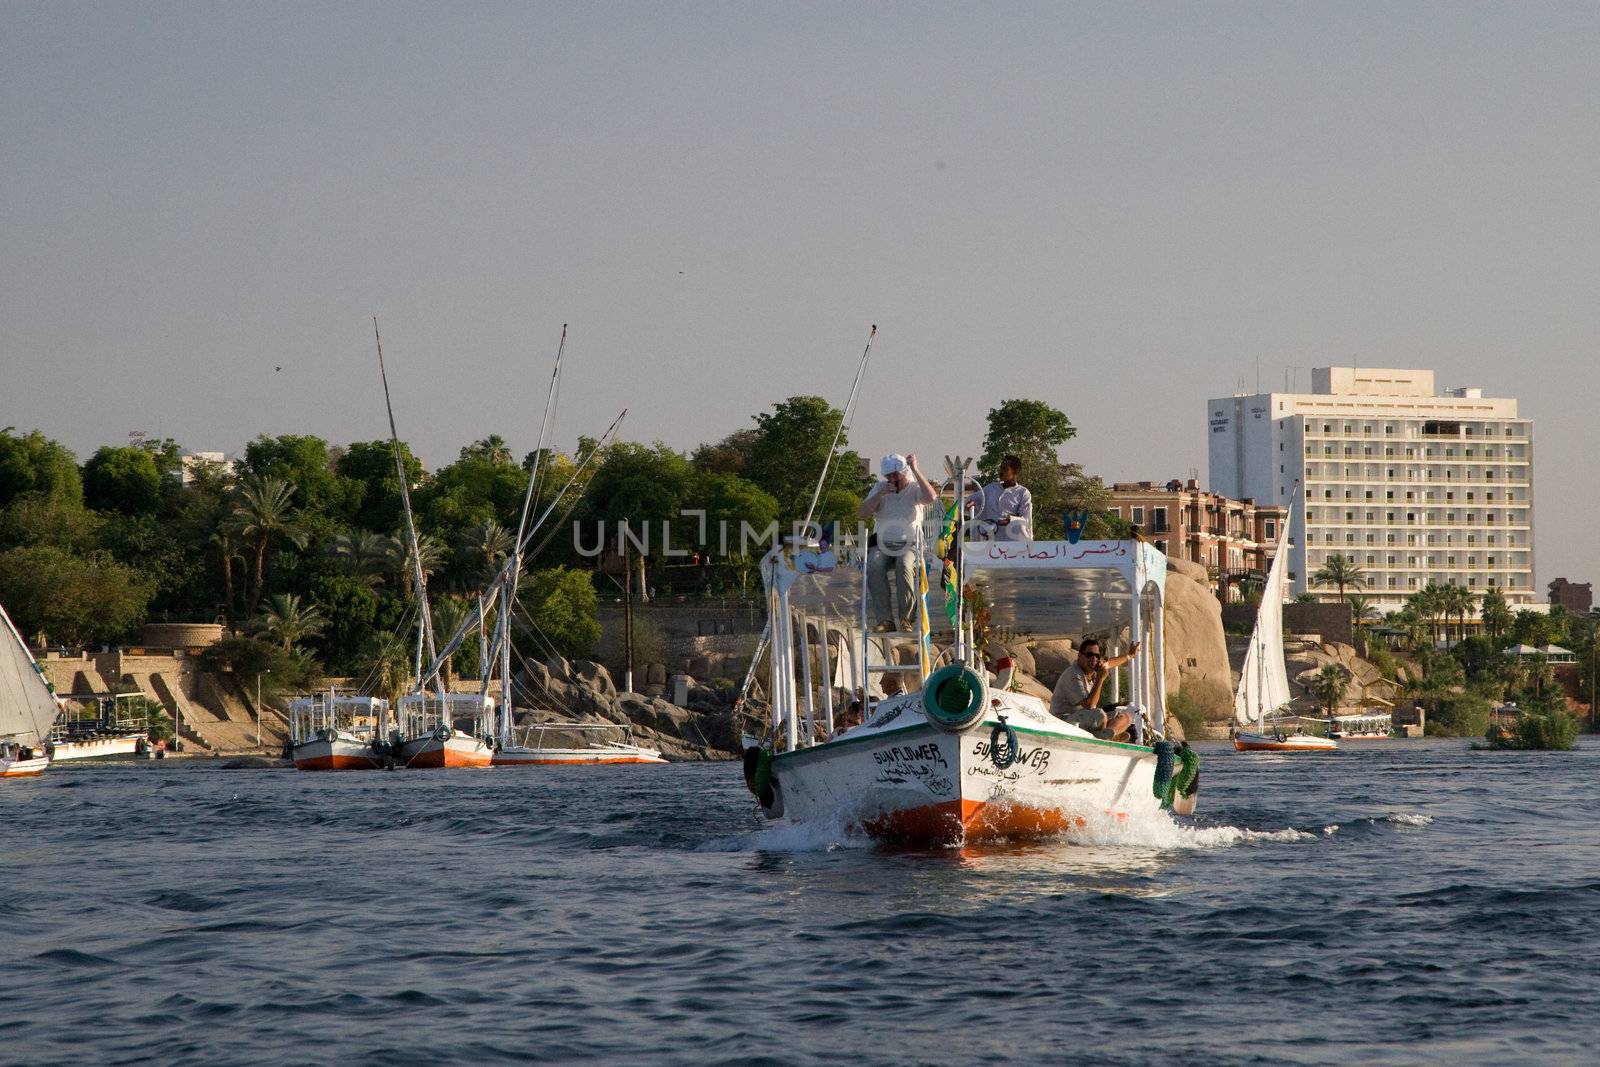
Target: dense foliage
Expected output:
[301,548]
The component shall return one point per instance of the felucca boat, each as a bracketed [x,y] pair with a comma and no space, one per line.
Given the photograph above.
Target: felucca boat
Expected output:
[1262,699]
[955,757]
[28,707]
[328,732]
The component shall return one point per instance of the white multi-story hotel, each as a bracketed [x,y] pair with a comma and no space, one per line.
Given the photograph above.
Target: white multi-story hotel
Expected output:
[1415,486]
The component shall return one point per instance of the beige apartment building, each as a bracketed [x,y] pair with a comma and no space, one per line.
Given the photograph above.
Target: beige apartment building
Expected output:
[1232,539]
[1414,484]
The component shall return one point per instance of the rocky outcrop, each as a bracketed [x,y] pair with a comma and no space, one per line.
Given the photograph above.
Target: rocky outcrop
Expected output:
[1196,649]
[584,690]
[1305,659]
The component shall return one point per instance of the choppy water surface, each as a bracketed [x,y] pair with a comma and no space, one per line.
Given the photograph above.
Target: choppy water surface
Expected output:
[1395,902]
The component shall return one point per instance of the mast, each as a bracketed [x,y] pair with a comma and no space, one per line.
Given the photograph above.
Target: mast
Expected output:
[419,580]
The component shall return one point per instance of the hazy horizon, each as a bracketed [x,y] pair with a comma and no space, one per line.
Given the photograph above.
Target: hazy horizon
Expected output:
[1123,211]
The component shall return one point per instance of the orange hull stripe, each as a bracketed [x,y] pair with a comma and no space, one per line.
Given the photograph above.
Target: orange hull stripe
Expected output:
[338,763]
[1281,746]
[446,757]
[512,761]
[22,774]
[952,821]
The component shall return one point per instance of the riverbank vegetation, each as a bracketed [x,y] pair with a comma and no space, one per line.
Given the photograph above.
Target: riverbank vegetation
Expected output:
[299,549]
[1472,662]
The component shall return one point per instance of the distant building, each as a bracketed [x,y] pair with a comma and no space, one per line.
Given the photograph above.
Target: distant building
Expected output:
[1232,539]
[189,461]
[1413,485]
[1574,596]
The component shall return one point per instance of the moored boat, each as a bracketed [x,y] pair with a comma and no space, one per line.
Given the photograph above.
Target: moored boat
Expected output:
[328,732]
[445,730]
[571,744]
[1262,719]
[28,706]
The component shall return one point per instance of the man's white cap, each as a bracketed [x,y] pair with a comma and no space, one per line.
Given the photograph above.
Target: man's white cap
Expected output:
[893,463]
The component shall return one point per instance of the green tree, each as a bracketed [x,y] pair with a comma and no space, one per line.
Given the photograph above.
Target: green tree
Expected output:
[486,547]
[42,519]
[307,466]
[384,665]
[730,502]
[261,515]
[1328,687]
[33,463]
[371,465]
[1496,614]
[288,620]
[353,610]
[1341,572]
[73,599]
[564,610]
[731,455]
[122,479]
[483,485]
[1362,612]
[362,555]
[1034,432]
[788,453]
[1532,628]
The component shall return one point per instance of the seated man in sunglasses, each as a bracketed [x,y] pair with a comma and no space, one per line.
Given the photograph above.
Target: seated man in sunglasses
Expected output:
[1077,694]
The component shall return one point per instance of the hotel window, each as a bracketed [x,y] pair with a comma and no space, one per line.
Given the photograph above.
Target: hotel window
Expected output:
[1160,520]
[1138,516]
[1272,529]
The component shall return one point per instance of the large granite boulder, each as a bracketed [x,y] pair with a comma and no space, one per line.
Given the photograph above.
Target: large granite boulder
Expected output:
[1196,650]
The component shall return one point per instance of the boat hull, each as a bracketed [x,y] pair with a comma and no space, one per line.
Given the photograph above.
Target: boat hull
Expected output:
[921,785]
[24,768]
[132,746]
[459,750]
[1285,743]
[337,755]
[573,757]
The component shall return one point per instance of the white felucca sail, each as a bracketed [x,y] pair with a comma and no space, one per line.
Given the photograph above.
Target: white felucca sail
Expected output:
[1264,680]
[28,705]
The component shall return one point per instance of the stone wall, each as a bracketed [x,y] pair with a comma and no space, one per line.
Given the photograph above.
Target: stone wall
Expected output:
[1331,622]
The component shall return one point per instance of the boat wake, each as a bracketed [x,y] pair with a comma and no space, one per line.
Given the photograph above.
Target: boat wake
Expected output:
[792,837]
[1160,830]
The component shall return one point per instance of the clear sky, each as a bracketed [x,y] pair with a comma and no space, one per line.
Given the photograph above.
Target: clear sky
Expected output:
[1121,209]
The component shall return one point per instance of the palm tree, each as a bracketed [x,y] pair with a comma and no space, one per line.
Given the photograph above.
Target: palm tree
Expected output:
[385,663]
[288,620]
[397,557]
[260,514]
[492,448]
[1329,686]
[448,613]
[1362,612]
[1428,603]
[1340,571]
[228,546]
[1458,600]
[1495,613]
[361,553]
[490,541]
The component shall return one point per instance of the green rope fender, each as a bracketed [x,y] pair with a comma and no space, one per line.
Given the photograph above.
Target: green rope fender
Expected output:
[1005,756]
[1182,780]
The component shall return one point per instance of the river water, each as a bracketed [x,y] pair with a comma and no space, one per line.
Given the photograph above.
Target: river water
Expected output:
[1396,902]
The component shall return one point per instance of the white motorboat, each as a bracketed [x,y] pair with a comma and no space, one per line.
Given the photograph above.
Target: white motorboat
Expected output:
[1378,726]
[1262,719]
[445,730]
[573,744]
[28,707]
[328,732]
[954,757]
[103,728]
